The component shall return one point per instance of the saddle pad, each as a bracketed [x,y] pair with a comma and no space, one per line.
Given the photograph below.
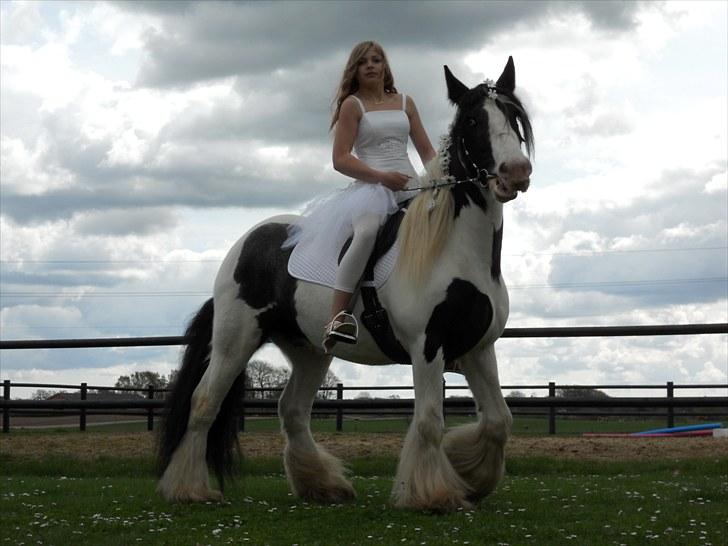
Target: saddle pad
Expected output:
[305,266]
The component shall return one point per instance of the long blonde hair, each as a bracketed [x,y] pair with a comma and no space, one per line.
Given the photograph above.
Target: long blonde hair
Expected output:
[350,85]
[425,228]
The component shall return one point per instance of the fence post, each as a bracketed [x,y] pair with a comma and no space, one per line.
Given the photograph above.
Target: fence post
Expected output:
[6,410]
[444,389]
[150,411]
[339,410]
[670,408]
[84,396]
[552,408]
[241,423]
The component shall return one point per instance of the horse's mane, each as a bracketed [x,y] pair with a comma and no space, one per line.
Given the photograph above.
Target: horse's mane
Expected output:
[427,224]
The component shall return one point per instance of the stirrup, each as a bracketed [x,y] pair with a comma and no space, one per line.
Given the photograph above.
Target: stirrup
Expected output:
[343,327]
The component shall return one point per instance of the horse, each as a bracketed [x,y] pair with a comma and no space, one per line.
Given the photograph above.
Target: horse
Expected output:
[447,303]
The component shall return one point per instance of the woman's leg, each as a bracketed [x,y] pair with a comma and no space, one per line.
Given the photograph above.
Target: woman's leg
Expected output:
[354,261]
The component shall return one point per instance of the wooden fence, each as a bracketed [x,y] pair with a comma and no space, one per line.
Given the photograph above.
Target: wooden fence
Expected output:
[550,405]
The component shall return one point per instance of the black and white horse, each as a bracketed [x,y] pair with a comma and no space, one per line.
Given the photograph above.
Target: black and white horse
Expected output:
[447,303]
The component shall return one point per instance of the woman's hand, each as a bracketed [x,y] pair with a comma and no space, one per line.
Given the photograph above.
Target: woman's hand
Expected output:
[394,180]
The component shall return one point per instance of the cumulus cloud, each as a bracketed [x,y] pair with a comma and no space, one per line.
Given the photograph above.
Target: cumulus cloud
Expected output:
[213,39]
[140,139]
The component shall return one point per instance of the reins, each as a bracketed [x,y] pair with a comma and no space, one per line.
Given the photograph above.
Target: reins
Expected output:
[482,175]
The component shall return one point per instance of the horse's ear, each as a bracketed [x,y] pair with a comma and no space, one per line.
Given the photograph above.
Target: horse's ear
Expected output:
[455,88]
[507,80]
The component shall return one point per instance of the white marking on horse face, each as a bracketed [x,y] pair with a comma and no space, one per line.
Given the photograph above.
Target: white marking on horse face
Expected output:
[504,141]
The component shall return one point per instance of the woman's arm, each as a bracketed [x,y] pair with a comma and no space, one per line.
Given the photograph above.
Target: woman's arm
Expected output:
[418,134]
[345,162]
[344,136]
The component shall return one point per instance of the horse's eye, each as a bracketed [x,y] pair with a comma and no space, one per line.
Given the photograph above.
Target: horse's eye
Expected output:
[472,122]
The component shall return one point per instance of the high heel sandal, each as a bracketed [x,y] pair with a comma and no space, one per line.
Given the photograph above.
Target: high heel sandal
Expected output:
[343,327]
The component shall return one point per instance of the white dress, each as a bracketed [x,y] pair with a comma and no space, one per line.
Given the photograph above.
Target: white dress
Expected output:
[381,143]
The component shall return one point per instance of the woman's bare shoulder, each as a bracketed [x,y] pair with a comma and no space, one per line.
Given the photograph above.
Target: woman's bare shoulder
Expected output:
[350,107]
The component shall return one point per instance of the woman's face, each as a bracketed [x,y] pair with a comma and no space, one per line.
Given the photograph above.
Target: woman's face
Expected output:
[371,68]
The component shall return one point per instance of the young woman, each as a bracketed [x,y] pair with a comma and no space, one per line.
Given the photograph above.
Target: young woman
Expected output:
[371,123]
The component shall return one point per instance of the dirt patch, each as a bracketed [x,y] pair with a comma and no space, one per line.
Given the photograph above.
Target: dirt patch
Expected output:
[91,445]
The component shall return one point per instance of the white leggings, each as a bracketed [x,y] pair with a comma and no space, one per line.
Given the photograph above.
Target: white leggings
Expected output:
[355,259]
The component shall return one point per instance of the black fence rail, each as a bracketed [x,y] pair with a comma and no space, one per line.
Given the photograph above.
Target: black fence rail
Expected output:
[551,405]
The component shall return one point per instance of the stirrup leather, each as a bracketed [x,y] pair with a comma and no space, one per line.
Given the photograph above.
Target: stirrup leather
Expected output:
[343,327]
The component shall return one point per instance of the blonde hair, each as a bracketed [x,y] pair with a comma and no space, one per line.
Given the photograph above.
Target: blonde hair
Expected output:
[425,228]
[350,85]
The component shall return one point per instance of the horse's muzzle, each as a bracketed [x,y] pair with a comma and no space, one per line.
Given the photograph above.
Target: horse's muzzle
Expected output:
[513,176]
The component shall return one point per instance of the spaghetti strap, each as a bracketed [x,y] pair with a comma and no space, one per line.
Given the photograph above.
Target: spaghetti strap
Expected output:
[361,104]
[404,101]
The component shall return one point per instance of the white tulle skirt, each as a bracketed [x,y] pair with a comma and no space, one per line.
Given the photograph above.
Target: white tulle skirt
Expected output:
[327,221]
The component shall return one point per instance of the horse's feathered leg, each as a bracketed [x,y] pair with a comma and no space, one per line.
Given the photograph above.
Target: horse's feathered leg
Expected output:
[235,337]
[476,450]
[313,473]
[425,478]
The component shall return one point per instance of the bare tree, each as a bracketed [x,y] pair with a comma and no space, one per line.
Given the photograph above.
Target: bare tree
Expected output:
[42,394]
[329,382]
[141,380]
[582,394]
[262,375]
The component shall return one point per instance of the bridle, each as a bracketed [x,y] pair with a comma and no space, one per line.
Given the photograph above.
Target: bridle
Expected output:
[482,175]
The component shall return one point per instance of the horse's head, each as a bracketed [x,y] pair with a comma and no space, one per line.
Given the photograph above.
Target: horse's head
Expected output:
[486,136]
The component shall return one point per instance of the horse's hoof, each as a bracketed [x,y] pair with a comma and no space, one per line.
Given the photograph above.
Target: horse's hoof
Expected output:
[335,495]
[209,495]
[199,496]
[442,504]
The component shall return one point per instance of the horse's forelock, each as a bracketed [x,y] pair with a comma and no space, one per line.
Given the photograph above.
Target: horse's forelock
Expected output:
[512,101]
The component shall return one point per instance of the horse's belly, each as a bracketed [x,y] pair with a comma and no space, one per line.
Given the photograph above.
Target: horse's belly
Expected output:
[313,307]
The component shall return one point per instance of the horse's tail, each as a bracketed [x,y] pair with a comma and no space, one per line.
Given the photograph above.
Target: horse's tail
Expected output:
[423,233]
[222,438]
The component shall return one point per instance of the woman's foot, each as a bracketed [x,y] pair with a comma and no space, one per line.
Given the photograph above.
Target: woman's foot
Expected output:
[343,327]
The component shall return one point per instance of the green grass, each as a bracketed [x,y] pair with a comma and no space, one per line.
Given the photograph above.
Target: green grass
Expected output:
[541,501]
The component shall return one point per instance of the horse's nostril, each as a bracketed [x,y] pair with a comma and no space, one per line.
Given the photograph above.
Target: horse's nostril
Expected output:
[503,168]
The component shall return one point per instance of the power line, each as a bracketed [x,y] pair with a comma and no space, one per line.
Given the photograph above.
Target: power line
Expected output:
[646,283]
[219,260]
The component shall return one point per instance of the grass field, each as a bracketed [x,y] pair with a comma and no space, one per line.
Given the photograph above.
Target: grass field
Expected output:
[61,500]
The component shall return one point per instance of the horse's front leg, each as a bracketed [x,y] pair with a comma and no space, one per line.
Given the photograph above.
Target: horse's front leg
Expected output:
[425,478]
[476,450]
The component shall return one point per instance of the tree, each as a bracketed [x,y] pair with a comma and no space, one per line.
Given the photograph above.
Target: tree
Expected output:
[517,394]
[141,380]
[262,375]
[42,394]
[329,382]
[581,394]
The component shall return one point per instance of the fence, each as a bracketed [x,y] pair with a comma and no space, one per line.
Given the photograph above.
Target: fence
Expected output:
[550,404]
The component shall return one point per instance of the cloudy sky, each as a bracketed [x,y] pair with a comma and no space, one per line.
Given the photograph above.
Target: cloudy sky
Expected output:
[141,139]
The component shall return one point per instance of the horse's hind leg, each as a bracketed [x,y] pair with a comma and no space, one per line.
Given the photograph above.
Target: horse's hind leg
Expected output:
[235,338]
[313,473]
[476,450]
[425,478]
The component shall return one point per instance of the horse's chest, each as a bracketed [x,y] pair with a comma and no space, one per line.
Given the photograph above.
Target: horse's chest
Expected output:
[461,320]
